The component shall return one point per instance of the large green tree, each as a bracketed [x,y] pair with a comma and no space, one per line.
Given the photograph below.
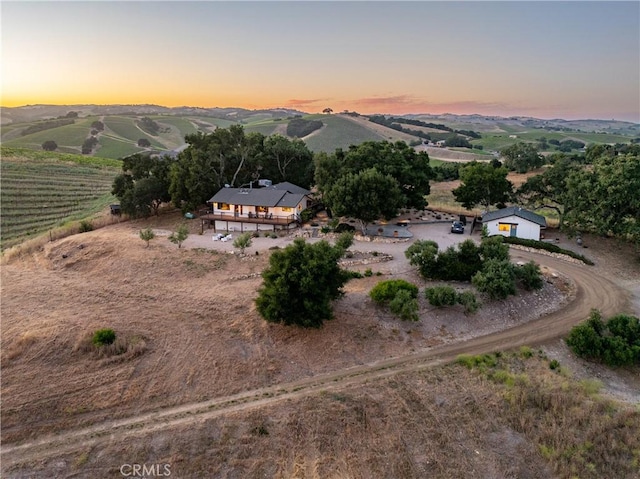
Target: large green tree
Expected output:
[143,184]
[366,196]
[231,157]
[549,189]
[287,160]
[605,199]
[483,184]
[300,283]
[522,157]
[410,169]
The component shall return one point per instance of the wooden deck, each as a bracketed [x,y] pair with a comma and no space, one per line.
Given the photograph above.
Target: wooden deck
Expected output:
[274,221]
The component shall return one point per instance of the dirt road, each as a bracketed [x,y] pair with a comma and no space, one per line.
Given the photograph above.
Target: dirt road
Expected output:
[592,291]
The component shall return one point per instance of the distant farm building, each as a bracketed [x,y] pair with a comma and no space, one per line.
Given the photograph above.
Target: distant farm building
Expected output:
[514,221]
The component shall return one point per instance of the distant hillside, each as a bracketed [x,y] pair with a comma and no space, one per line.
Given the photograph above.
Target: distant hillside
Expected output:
[31,126]
[489,123]
[41,112]
[338,131]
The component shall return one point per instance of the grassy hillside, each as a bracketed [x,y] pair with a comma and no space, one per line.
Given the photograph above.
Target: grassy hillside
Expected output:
[69,137]
[119,137]
[338,131]
[122,130]
[499,140]
[42,190]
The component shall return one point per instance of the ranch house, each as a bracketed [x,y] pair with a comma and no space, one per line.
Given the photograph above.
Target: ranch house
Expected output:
[514,221]
[256,209]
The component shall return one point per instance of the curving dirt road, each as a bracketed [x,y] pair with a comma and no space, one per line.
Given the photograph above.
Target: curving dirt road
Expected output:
[592,291]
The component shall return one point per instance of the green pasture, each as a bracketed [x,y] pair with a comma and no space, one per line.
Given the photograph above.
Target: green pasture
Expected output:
[339,133]
[498,141]
[43,190]
[125,127]
[114,147]
[71,136]
[182,124]
[219,122]
[267,128]
[256,117]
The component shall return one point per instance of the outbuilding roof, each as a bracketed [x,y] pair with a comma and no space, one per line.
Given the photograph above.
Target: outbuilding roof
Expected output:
[515,211]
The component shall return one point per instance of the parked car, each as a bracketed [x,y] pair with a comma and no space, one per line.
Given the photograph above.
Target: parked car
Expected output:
[457,227]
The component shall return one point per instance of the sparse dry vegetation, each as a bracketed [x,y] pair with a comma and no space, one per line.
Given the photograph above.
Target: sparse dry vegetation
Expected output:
[187,331]
[507,416]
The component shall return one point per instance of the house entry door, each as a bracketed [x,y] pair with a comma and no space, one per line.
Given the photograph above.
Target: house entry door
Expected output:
[514,231]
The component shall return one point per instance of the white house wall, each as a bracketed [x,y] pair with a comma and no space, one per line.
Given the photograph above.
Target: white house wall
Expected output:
[526,229]
[236,226]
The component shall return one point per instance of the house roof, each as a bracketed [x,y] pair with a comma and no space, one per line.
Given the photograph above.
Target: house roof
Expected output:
[257,197]
[515,211]
[291,188]
[290,200]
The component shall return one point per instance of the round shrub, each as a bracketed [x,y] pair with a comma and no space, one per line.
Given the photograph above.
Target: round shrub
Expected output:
[530,276]
[404,305]
[497,279]
[386,291]
[441,296]
[103,336]
[469,301]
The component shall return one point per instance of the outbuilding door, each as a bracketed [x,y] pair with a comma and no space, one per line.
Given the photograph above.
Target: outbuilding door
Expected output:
[514,231]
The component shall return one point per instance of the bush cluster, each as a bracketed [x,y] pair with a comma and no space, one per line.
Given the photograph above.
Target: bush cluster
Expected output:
[455,264]
[440,296]
[103,336]
[88,145]
[85,226]
[615,342]
[487,266]
[400,295]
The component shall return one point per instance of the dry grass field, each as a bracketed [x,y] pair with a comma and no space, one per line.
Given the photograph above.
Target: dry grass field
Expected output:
[188,332]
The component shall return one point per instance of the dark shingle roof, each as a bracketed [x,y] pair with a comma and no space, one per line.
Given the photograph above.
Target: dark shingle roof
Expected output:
[291,188]
[290,200]
[515,211]
[257,197]
[248,196]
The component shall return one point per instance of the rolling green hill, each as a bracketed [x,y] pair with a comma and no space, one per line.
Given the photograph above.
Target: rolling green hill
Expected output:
[338,131]
[122,128]
[43,190]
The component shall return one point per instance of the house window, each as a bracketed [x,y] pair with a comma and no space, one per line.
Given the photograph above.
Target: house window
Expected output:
[504,227]
[262,209]
[286,210]
[223,206]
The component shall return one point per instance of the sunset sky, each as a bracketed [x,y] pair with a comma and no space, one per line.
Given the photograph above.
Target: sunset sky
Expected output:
[542,59]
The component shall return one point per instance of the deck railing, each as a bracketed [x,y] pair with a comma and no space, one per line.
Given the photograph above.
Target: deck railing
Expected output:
[263,218]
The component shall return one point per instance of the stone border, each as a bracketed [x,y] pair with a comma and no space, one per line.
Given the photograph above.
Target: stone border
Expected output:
[561,256]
